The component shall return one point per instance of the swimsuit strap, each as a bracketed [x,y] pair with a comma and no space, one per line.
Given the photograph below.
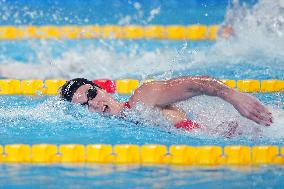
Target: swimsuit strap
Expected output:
[127,105]
[187,125]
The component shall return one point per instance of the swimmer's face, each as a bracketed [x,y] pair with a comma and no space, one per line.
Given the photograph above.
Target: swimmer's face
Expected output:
[101,103]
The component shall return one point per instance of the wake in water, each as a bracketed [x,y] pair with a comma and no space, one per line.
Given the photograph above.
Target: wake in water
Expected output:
[258,31]
[51,111]
[218,119]
[222,119]
[93,63]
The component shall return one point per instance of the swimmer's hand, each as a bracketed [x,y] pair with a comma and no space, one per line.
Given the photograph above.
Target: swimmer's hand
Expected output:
[249,107]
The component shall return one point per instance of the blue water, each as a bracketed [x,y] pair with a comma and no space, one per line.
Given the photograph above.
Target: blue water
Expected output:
[32,120]
[82,12]
[109,176]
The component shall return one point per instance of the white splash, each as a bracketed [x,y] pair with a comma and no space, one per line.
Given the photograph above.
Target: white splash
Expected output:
[258,35]
[153,14]
[275,131]
[93,63]
[44,112]
[219,118]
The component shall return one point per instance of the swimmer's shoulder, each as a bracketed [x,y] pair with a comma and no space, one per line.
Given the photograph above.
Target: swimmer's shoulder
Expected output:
[147,93]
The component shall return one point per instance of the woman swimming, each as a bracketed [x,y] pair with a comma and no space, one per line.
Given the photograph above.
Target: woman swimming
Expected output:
[163,95]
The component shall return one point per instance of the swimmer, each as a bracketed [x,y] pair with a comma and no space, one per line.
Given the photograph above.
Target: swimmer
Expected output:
[163,95]
[226,31]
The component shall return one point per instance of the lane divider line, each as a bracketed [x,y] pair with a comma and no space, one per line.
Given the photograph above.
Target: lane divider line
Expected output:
[122,86]
[171,32]
[145,154]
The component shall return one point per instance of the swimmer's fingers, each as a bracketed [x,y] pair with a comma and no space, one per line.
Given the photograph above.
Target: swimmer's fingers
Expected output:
[261,117]
[258,112]
[263,113]
[262,108]
[256,119]
[249,107]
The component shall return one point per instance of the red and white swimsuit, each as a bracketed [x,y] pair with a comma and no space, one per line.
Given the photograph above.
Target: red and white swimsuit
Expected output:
[185,124]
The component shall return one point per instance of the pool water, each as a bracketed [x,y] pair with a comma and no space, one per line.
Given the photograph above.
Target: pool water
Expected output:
[110,176]
[254,52]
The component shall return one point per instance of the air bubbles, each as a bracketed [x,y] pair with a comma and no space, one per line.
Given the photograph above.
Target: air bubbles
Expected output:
[153,13]
[137,5]
[86,20]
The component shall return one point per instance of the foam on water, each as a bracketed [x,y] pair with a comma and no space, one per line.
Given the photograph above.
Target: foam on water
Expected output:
[94,63]
[220,118]
[217,118]
[258,32]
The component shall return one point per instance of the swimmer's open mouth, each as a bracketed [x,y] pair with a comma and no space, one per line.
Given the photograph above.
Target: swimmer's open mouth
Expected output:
[106,109]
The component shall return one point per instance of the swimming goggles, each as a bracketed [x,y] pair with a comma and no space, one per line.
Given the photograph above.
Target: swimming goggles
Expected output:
[91,94]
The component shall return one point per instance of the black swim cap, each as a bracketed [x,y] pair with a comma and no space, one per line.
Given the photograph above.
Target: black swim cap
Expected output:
[71,86]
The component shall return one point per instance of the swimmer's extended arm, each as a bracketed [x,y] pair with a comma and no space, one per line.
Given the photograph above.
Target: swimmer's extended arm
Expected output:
[164,93]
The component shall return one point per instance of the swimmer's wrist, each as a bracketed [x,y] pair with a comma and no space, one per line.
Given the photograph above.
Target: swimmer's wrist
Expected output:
[228,94]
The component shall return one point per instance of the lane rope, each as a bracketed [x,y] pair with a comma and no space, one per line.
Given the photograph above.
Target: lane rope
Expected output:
[145,154]
[171,32]
[123,86]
